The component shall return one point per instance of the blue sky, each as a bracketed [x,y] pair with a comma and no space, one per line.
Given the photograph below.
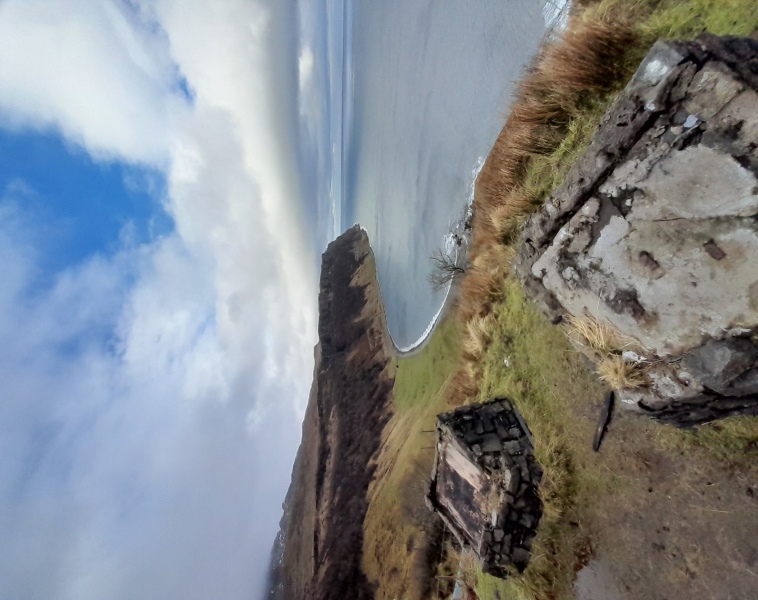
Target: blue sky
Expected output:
[85,205]
[162,211]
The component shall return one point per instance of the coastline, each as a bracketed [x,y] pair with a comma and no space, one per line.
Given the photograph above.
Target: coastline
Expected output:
[451,293]
[451,297]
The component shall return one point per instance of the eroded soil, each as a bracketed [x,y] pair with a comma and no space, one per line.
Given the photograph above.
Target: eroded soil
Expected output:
[685,523]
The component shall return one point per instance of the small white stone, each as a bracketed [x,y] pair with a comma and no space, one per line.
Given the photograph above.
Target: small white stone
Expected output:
[690,122]
[569,274]
[656,70]
[738,332]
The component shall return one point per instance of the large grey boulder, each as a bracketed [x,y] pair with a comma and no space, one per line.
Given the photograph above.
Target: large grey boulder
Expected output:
[655,231]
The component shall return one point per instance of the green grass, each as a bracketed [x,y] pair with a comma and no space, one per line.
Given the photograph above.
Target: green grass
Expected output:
[551,388]
[686,20]
[733,440]
[546,173]
[419,378]
[397,519]
[545,378]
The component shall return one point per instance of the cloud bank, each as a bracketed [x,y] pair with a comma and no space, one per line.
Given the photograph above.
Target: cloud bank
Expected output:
[152,396]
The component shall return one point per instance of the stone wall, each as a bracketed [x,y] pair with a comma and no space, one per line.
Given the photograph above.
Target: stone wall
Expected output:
[498,443]
[655,230]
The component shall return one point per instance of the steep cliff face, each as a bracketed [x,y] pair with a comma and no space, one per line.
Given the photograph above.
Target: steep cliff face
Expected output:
[319,549]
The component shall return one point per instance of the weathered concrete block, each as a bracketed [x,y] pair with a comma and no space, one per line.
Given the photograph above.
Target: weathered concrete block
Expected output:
[655,228]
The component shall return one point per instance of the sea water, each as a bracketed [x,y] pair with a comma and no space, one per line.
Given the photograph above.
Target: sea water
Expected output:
[427,83]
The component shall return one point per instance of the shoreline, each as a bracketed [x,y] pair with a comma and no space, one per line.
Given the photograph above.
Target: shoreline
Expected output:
[444,310]
[451,297]
[451,294]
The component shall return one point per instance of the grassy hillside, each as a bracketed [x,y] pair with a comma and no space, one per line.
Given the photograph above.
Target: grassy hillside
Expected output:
[498,344]
[402,537]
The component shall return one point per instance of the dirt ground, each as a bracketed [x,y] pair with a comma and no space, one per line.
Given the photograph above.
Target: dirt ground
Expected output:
[684,526]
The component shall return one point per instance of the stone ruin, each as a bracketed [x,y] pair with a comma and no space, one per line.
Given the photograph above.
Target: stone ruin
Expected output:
[655,231]
[484,483]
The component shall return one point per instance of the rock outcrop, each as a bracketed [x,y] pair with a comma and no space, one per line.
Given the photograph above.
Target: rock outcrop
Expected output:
[318,551]
[655,231]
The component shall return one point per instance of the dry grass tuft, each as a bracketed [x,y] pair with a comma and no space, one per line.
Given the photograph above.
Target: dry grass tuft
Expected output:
[589,57]
[621,374]
[477,293]
[504,216]
[599,339]
[605,345]
[495,259]
[462,387]
[479,332]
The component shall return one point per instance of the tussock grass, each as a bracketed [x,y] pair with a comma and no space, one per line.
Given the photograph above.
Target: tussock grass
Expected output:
[621,374]
[599,338]
[478,292]
[553,113]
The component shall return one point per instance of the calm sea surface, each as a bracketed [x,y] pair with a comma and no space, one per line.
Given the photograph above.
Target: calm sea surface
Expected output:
[428,84]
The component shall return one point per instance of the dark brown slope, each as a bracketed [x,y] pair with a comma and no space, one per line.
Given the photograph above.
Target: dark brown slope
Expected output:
[319,549]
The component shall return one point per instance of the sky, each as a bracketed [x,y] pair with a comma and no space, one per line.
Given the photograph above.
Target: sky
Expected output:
[166,188]
[321,70]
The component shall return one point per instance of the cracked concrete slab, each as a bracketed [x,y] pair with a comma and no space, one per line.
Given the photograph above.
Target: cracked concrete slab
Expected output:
[662,243]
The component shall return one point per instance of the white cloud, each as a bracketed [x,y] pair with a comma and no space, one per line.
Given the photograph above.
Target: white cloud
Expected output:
[151,398]
[305,66]
[91,70]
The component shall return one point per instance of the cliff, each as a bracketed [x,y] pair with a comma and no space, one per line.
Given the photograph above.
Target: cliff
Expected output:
[318,552]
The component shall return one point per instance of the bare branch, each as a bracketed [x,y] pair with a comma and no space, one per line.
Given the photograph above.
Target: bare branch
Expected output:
[447,267]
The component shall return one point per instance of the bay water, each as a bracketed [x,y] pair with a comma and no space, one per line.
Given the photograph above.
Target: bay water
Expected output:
[427,85]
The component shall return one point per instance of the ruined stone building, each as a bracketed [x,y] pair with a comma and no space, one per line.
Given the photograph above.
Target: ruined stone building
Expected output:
[484,483]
